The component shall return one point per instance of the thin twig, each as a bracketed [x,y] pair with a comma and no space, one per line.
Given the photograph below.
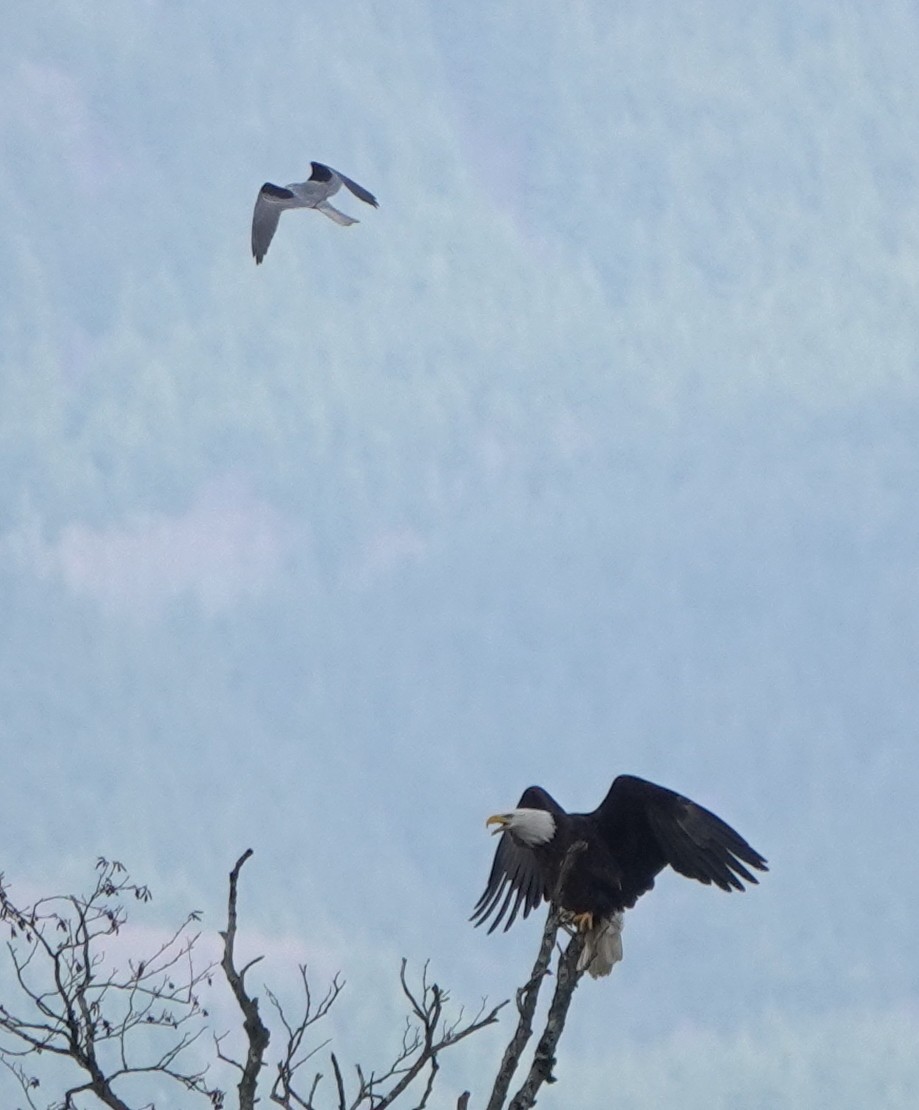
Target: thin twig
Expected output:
[81,1008]
[294,1055]
[339,1082]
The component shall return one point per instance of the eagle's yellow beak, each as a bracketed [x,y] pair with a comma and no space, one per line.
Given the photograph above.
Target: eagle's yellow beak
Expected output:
[499,819]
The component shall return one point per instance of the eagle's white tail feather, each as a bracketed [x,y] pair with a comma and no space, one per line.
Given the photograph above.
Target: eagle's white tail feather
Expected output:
[602,947]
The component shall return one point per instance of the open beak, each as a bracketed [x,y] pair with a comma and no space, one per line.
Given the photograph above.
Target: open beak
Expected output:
[499,820]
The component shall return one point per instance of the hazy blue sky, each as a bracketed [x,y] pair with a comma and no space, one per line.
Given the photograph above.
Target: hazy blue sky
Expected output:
[594,449]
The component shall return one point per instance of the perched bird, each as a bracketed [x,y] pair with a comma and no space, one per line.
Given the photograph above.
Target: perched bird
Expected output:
[636,831]
[272,200]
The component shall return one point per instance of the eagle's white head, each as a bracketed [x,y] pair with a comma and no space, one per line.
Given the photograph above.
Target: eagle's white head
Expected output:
[529,827]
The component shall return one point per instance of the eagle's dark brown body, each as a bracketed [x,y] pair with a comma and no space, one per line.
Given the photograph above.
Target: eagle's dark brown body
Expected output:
[637,830]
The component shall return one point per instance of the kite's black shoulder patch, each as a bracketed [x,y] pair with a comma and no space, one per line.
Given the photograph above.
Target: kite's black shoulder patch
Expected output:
[270,190]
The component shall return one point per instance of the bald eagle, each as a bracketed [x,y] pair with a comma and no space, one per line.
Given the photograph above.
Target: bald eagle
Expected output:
[636,831]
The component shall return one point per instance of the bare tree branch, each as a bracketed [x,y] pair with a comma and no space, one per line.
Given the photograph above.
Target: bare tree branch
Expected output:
[257,1033]
[78,1007]
[339,1082]
[28,1083]
[83,1008]
[528,995]
[425,1036]
[428,1009]
[567,978]
[294,1057]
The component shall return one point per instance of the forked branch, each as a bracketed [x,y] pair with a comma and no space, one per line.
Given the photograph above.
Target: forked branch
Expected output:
[257,1033]
[111,1022]
[527,997]
[426,1034]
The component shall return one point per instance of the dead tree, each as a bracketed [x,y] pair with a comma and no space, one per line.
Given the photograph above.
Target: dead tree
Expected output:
[567,977]
[111,1024]
[428,1033]
[257,1033]
[125,1023]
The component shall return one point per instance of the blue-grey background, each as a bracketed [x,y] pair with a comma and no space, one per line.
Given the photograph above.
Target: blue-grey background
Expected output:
[595,449]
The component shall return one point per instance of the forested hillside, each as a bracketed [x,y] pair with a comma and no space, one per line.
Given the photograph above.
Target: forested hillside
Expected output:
[594,449]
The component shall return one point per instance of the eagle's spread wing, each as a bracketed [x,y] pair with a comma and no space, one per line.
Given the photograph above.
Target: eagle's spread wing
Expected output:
[649,826]
[516,880]
[269,204]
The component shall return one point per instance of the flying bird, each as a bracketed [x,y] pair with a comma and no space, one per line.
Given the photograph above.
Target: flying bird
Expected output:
[636,831]
[322,183]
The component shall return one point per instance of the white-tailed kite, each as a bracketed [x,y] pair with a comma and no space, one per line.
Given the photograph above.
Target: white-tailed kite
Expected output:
[272,200]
